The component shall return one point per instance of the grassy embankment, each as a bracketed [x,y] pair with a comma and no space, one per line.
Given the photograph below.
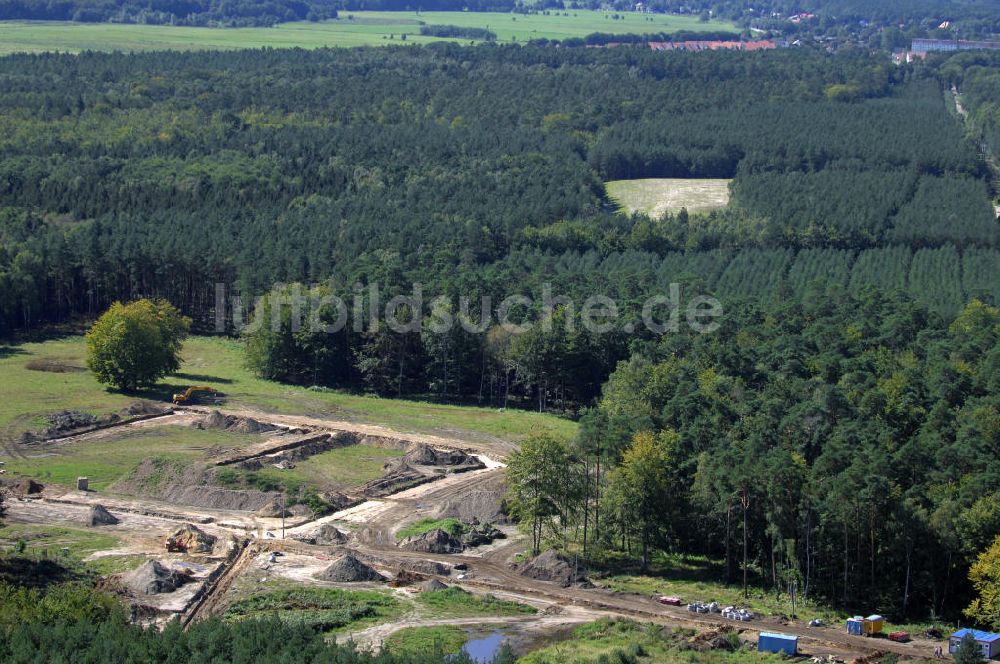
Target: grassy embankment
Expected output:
[351,29]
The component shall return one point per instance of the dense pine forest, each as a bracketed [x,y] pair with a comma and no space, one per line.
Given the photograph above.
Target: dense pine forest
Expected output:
[841,427]
[479,171]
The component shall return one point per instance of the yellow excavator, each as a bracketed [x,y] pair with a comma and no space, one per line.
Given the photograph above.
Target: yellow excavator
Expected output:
[188,394]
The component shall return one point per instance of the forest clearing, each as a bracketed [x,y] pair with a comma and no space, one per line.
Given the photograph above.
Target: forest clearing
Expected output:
[655,197]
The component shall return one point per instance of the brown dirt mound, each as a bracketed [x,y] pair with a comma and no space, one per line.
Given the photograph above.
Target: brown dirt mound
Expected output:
[327,535]
[433,541]
[405,578]
[98,515]
[422,454]
[427,567]
[23,488]
[336,500]
[348,569]
[273,510]
[192,539]
[153,578]
[188,485]
[550,566]
[139,408]
[216,420]
[249,425]
[52,366]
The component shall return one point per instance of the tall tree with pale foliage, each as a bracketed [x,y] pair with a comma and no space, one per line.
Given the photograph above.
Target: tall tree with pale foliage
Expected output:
[133,345]
[985,577]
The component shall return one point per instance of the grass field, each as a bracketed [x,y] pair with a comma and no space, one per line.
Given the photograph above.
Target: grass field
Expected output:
[105,461]
[657,196]
[454,602]
[48,542]
[623,640]
[26,395]
[440,639]
[349,466]
[351,29]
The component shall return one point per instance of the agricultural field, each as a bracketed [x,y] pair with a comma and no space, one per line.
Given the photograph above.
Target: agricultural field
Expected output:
[351,29]
[655,197]
[37,379]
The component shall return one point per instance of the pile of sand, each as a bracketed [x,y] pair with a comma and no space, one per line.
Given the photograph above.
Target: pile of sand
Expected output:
[216,420]
[348,569]
[328,535]
[153,579]
[432,586]
[273,510]
[192,539]
[98,515]
[550,566]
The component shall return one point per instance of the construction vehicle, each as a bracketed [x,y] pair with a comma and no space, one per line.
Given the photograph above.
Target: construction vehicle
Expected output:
[188,394]
[175,545]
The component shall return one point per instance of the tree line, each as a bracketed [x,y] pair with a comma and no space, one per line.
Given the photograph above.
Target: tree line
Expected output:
[124,176]
[848,443]
[72,622]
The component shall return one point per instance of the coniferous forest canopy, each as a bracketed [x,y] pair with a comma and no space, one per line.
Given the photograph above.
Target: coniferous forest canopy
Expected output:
[848,408]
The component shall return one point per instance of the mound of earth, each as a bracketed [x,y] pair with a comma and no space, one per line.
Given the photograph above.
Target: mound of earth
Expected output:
[23,488]
[98,515]
[336,500]
[433,541]
[189,485]
[140,408]
[327,535]
[483,534]
[348,569]
[273,510]
[399,475]
[191,539]
[421,454]
[153,578]
[432,586]
[550,566]
[216,420]
[485,504]
[52,366]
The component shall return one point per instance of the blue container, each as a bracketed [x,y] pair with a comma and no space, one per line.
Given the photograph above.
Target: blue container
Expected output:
[854,626]
[770,642]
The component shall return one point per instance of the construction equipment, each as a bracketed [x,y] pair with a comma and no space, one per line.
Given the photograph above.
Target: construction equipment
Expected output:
[175,545]
[188,394]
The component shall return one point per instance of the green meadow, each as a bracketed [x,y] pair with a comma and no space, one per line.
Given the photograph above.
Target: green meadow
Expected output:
[350,29]
[28,394]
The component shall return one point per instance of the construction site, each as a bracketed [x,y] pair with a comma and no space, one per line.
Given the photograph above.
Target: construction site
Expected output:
[191,542]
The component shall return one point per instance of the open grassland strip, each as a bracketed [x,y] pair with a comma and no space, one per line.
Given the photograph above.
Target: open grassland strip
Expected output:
[351,29]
